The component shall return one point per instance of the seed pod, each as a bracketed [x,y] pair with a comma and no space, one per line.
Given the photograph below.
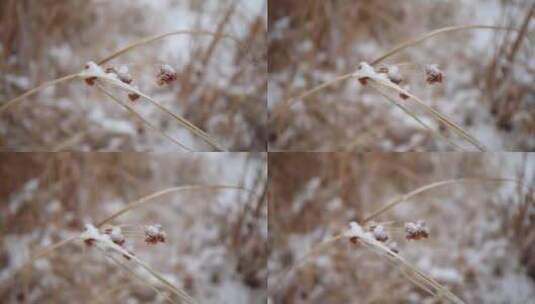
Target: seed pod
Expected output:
[379,233]
[166,74]
[433,73]
[416,231]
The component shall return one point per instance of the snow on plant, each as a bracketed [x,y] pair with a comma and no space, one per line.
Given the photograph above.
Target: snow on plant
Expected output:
[154,234]
[433,74]
[95,73]
[166,75]
[375,236]
[390,78]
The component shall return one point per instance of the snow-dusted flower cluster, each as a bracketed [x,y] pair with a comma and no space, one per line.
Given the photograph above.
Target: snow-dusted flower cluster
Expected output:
[106,240]
[122,74]
[416,231]
[433,73]
[166,74]
[379,233]
[154,234]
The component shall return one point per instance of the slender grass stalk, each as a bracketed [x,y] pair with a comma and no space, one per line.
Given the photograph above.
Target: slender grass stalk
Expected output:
[150,39]
[405,197]
[147,199]
[140,117]
[441,117]
[419,39]
[182,121]
[415,117]
[35,90]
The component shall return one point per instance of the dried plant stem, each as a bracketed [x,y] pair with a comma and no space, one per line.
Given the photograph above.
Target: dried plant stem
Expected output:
[435,113]
[417,40]
[338,79]
[146,199]
[161,36]
[407,196]
[145,121]
[184,122]
[43,86]
[136,276]
[413,115]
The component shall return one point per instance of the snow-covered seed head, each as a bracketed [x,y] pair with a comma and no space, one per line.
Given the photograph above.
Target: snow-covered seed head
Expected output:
[116,235]
[122,74]
[394,75]
[166,74]
[154,234]
[353,233]
[90,80]
[433,73]
[416,231]
[379,233]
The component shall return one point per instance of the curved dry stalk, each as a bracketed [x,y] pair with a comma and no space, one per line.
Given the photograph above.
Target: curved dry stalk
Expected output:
[407,196]
[460,131]
[177,291]
[408,112]
[42,86]
[161,36]
[318,88]
[140,202]
[134,275]
[182,121]
[431,34]
[140,117]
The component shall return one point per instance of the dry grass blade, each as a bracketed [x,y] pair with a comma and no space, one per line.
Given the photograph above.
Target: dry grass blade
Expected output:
[414,41]
[407,196]
[35,90]
[180,293]
[161,36]
[145,121]
[131,274]
[413,115]
[137,277]
[182,121]
[435,113]
[410,271]
[338,79]
[140,202]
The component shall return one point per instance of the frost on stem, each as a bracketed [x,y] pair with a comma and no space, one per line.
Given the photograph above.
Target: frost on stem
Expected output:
[433,73]
[91,69]
[365,71]
[355,231]
[166,74]
[154,234]
[92,236]
[392,73]
[416,231]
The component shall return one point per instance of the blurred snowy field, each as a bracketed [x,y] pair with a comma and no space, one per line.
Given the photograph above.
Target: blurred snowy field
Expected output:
[216,239]
[487,89]
[221,85]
